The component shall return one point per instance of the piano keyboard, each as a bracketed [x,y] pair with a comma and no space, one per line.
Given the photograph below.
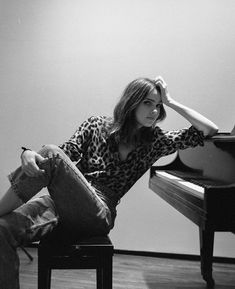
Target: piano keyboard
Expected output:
[196,190]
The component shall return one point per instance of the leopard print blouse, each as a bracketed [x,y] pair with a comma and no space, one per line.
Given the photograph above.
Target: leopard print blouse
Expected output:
[99,161]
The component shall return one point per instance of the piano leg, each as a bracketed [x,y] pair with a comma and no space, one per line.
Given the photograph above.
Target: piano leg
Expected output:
[206,250]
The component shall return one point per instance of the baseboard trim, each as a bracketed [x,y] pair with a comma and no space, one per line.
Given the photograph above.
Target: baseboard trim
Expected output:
[189,257]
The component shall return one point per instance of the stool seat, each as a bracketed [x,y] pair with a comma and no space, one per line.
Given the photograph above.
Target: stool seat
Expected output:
[90,253]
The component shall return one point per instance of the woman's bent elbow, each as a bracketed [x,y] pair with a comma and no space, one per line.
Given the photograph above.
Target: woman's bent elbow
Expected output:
[211,131]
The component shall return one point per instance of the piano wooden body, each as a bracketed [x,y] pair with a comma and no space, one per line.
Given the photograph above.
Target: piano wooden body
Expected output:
[200,184]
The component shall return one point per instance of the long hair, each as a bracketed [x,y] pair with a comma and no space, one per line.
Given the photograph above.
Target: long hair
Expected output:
[124,120]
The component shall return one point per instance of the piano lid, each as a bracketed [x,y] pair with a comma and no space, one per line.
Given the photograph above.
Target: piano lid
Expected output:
[216,159]
[233,131]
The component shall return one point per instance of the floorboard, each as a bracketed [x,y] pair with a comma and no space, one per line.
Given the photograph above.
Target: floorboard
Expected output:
[132,272]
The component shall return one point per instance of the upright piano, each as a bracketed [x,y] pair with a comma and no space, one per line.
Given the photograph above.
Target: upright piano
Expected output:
[200,184]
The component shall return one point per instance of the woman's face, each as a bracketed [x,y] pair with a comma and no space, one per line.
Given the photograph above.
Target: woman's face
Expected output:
[148,110]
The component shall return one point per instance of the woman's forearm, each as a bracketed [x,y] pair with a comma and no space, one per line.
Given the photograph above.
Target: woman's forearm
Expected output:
[196,119]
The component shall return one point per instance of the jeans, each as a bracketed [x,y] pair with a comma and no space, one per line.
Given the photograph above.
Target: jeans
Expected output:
[72,200]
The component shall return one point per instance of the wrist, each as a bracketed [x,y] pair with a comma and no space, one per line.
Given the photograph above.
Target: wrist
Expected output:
[171,103]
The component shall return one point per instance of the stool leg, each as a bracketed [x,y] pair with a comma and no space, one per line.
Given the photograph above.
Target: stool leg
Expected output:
[99,278]
[105,274]
[44,271]
[44,277]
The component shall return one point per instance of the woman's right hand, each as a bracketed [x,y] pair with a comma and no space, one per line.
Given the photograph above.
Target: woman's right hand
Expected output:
[165,96]
[29,161]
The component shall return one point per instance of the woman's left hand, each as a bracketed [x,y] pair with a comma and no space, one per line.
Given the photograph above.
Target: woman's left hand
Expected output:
[165,96]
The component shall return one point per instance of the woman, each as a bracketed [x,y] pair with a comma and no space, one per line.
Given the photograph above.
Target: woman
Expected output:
[87,176]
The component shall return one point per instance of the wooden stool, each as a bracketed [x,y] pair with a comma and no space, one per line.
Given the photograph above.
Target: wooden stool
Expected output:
[92,253]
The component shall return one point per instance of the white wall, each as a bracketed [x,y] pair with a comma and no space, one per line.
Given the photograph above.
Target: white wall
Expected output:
[61,61]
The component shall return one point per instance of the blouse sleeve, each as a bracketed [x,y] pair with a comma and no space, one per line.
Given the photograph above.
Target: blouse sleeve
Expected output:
[171,141]
[79,141]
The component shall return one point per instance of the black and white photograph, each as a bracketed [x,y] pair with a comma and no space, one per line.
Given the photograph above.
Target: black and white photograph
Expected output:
[117,152]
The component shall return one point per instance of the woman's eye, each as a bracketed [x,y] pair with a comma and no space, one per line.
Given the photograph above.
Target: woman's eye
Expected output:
[147,102]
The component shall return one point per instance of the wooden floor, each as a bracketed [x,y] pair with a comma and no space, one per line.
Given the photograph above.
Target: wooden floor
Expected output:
[132,272]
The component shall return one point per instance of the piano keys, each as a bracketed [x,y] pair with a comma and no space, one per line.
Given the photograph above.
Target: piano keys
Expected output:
[190,187]
[200,184]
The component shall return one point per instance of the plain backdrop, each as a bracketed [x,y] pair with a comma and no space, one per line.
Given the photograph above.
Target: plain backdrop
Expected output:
[64,60]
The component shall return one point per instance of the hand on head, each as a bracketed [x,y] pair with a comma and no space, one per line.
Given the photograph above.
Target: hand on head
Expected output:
[165,96]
